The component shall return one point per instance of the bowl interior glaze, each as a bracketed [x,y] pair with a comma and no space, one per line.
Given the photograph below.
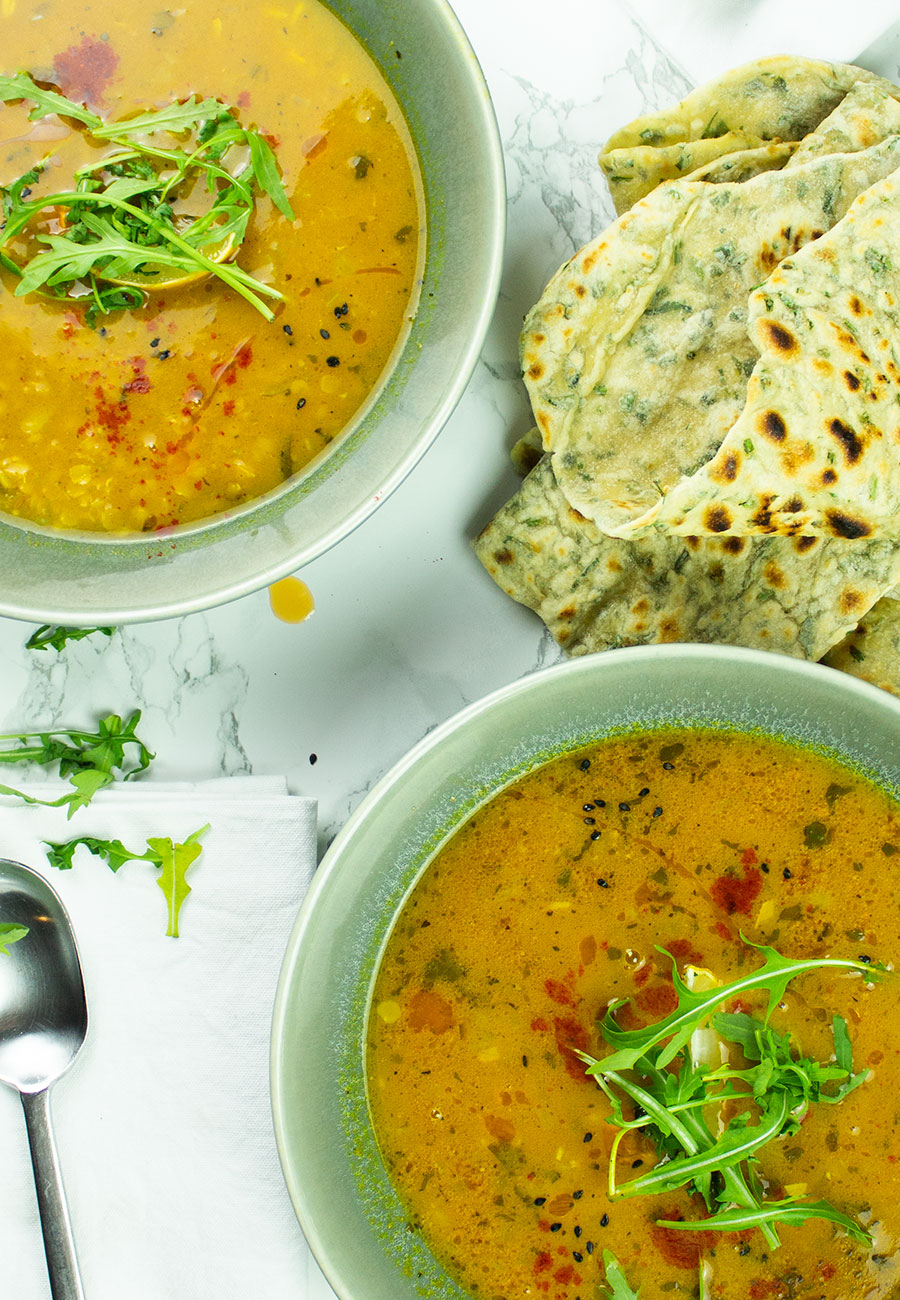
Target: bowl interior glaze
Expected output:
[86,579]
[347,1207]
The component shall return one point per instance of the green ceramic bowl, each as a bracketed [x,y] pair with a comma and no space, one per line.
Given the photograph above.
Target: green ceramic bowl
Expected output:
[351,1216]
[86,579]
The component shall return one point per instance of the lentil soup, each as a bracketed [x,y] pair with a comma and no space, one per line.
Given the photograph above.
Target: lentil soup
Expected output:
[547,906]
[192,403]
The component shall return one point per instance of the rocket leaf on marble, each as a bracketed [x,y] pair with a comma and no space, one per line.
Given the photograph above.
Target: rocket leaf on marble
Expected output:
[52,637]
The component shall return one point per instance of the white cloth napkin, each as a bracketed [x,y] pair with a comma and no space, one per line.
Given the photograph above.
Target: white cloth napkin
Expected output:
[163,1124]
[706,37]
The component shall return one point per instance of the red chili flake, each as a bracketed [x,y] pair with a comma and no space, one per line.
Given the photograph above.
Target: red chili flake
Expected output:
[111,416]
[244,356]
[82,71]
[684,950]
[734,895]
[228,408]
[722,930]
[827,1270]
[761,1287]
[571,1035]
[539,1024]
[243,99]
[140,383]
[543,1262]
[642,974]
[564,1275]
[559,993]
[748,858]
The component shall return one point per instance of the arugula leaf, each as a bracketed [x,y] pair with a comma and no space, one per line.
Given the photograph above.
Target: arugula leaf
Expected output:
[10,934]
[843,1053]
[51,636]
[21,86]
[172,860]
[90,759]
[265,170]
[787,1211]
[693,1007]
[175,859]
[118,224]
[617,1287]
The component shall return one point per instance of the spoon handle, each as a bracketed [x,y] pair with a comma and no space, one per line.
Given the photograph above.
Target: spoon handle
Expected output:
[59,1245]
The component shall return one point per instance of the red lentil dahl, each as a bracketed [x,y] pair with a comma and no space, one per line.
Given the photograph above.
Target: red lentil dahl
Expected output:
[194,404]
[546,906]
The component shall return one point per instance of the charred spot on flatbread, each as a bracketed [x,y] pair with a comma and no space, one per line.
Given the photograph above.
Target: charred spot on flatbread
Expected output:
[851,380]
[856,306]
[851,600]
[535,370]
[781,338]
[829,476]
[774,576]
[849,439]
[733,545]
[792,507]
[805,543]
[726,469]
[773,426]
[844,525]
[504,556]
[717,519]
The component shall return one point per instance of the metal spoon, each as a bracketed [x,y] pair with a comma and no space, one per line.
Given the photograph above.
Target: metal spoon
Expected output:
[43,1021]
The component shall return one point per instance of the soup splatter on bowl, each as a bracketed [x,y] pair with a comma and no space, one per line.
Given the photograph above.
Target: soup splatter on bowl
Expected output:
[482,950]
[137,393]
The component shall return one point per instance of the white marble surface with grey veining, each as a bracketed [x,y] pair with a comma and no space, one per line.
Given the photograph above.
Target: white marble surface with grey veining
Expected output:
[408,629]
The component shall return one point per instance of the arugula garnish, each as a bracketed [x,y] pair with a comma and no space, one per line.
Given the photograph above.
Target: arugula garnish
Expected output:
[91,760]
[617,1287]
[51,636]
[10,934]
[172,860]
[118,230]
[654,1070]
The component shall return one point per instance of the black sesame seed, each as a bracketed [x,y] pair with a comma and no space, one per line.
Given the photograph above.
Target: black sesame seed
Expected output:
[313,759]
[301,402]
[577,1256]
[624,807]
[577,1229]
[589,1247]
[600,803]
[786,873]
[26,192]
[325,334]
[287,329]
[576,1196]
[744,1249]
[764,867]
[584,764]
[590,821]
[539,1200]
[641,793]
[588,1137]
[587,807]
[154,343]
[669,767]
[657,812]
[595,835]
[604,1222]
[555,1227]
[636,1164]
[164,355]
[864,958]
[332,361]
[342,310]
[603,882]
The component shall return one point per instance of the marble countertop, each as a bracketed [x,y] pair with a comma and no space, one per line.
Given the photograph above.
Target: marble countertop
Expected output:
[408,628]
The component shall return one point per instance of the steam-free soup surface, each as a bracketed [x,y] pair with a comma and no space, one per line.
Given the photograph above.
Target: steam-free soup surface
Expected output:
[548,905]
[194,403]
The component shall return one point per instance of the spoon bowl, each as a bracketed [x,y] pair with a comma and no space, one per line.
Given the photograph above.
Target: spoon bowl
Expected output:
[43,1023]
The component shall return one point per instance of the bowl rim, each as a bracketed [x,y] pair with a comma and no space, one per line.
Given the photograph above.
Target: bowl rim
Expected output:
[852,688]
[220,589]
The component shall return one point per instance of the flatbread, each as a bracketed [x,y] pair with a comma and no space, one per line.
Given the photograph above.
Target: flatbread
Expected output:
[747,163]
[872,650]
[817,447]
[866,114]
[778,98]
[794,595]
[637,356]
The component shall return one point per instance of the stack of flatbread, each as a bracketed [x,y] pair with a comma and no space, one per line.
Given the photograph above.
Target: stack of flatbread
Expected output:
[715,383]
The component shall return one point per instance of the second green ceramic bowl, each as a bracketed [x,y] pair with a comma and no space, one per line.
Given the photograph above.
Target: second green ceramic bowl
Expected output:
[347,1207]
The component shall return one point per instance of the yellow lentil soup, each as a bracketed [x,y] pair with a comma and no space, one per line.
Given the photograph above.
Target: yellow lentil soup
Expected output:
[191,402]
[550,904]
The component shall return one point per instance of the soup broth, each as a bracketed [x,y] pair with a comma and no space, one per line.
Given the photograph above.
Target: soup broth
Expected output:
[194,403]
[550,904]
